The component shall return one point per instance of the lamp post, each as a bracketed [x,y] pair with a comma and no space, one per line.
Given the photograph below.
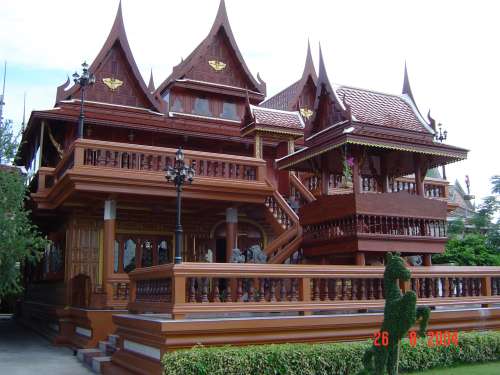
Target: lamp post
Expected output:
[179,174]
[84,80]
[441,136]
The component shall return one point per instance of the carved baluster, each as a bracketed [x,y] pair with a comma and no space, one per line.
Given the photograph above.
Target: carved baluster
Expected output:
[436,287]
[465,287]
[343,290]
[429,287]
[251,291]
[325,291]
[262,296]
[380,292]
[216,292]
[413,282]
[451,287]
[494,289]
[371,294]
[294,295]
[192,291]
[316,290]
[229,296]
[333,289]
[272,290]
[421,289]
[204,289]
[239,290]
[282,295]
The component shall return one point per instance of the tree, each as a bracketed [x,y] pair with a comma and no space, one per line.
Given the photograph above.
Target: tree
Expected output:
[479,245]
[20,240]
[8,142]
[495,181]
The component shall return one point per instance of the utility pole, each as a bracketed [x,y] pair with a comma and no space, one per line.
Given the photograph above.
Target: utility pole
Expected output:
[2,96]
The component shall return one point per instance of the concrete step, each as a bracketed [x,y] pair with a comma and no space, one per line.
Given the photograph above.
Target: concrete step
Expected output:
[107,347]
[80,353]
[94,358]
[98,361]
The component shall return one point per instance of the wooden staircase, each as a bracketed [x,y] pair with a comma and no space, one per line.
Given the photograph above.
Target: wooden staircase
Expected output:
[286,247]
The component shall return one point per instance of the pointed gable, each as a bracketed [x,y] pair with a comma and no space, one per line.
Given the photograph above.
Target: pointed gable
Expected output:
[118,80]
[299,95]
[328,109]
[218,60]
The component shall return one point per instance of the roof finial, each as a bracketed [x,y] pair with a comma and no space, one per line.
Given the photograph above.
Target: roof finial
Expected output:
[406,85]
[151,84]
[309,65]
[432,122]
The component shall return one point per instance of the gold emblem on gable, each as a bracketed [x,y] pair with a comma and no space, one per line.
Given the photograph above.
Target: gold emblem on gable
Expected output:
[112,83]
[306,113]
[217,65]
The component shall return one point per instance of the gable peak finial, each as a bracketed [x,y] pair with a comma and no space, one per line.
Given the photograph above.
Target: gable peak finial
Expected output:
[406,84]
[151,84]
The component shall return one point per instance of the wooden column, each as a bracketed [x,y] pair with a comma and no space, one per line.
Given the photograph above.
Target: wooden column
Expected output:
[291,146]
[258,151]
[428,260]
[419,175]
[384,177]
[283,176]
[360,259]
[356,181]
[231,231]
[109,245]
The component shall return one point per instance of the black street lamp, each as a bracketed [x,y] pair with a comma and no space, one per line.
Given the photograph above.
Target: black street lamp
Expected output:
[84,80]
[441,136]
[179,174]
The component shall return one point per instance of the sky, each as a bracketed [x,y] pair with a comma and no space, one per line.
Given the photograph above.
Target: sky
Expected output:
[450,47]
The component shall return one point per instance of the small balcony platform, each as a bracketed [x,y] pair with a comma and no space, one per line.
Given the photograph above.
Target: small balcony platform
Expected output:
[377,222]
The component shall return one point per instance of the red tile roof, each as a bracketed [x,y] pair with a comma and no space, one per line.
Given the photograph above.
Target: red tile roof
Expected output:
[382,109]
[282,99]
[277,118]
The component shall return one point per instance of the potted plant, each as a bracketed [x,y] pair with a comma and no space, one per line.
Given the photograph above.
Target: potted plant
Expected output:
[347,165]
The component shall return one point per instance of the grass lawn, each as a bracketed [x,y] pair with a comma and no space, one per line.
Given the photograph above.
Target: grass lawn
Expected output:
[491,368]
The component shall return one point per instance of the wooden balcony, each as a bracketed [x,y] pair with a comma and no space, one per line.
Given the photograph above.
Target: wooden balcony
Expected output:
[212,288]
[373,222]
[117,168]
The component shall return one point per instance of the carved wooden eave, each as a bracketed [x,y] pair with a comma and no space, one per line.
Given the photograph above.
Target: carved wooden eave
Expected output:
[221,23]
[116,35]
[375,137]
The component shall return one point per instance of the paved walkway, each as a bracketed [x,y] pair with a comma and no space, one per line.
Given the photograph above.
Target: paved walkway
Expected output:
[23,352]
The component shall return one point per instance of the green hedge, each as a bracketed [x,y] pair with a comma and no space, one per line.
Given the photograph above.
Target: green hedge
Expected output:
[327,359]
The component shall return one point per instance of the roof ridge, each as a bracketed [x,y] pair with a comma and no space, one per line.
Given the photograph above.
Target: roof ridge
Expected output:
[280,92]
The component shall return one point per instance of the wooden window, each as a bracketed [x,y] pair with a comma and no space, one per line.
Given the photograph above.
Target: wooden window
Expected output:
[177,106]
[201,107]
[129,253]
[229,111]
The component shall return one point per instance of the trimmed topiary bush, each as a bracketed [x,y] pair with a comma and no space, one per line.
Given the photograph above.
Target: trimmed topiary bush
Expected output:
[326,359]
[400,314]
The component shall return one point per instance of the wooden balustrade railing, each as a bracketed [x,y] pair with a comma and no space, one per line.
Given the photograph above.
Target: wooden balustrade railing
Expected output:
[369,184]
[191,288]
[156,159]
[280,209]
[123,156]
[375,225]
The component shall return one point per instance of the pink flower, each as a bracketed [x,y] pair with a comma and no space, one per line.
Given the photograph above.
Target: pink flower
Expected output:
[350,161]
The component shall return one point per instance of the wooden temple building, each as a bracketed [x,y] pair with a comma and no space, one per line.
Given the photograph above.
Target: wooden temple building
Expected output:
[295,200]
